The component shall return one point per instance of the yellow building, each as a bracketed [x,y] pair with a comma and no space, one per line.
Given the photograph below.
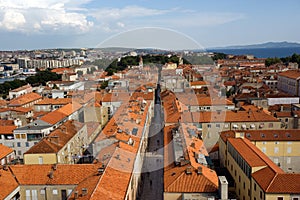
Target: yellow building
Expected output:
[64,145]
[255,175]
[53,182]
[281,146]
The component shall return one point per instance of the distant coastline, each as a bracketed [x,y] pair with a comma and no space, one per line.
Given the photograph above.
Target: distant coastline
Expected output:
[260,52]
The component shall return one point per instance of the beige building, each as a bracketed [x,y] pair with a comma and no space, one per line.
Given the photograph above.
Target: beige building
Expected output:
[288,82]
[187,172]
[281,146]
[64,145]
[53,182]
[255,175]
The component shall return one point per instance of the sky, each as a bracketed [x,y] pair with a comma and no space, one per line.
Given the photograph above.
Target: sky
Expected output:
[38,24]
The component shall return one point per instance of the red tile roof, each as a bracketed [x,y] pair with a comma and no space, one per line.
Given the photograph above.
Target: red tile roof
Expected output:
[57,139]
[292,74]
[24,99]
[7,182]
[62,175]
[7,130]
[61,113]
[5,151]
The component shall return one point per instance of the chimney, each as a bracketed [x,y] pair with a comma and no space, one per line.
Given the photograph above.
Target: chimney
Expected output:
[84,191]
[199,170]
[100,170]
[50,175]
[188,170]
[76,195]
[223,188]
[54,167]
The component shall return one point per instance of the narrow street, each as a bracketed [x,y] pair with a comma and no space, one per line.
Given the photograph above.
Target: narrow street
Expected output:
[153,166]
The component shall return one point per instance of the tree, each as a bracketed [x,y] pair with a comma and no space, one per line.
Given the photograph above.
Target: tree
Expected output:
[272,61]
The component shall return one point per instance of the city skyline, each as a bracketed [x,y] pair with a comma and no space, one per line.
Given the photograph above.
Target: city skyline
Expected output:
[67,24]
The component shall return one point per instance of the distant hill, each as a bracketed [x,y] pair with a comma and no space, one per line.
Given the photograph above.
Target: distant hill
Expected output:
[263,46]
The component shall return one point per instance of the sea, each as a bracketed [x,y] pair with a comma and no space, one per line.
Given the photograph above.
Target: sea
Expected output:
[261,52]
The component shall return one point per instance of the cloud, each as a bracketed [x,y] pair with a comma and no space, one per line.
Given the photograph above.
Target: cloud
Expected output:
[114,19]
[126,12]
[39,16]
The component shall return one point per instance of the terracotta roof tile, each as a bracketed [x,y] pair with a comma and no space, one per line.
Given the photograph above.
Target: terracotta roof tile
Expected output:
[57,139]
[4,151]
[62,175]
[24,99]
[7,182]
[58,101]
[293,74]
[7,130]
[61,113]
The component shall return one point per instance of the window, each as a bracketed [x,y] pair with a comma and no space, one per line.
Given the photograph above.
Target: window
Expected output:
[28,195]
[55,192]
[42,192]
[19,152]
[23,136]
[276,161]
[289,150]
[34,195]
[244,185]
[208,126]
[239,179]
[276,150]
[264,149]
[27,144]
[69,192]
[254,186]
[17,136]
[286,119]
[270,125]
[41,160]
[276,142]
[260,194]
[234,172]
[279,198]
[231,167]
[218,125]
[18,144]
[288,160]
[264,143]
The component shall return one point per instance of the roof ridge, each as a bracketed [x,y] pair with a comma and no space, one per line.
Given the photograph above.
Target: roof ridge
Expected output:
[15,177]
[182,173]
[270,184]
[256,150]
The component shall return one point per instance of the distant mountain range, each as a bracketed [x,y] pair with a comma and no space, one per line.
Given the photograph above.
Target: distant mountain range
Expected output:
[263,46]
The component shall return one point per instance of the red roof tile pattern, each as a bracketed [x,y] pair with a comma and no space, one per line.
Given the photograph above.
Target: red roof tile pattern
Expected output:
[61,113]
[292,74]
[57,139]
[7,182]
[5,151]
[7,130]
[24,99]
[62,175]
[58,101]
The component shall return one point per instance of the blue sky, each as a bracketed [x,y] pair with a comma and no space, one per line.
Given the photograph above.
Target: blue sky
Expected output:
[33,24]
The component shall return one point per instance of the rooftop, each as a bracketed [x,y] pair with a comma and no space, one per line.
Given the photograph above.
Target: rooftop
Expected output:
[4,151]
[24,99]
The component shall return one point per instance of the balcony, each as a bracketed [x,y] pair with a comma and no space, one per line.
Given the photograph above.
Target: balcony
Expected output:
[34,137]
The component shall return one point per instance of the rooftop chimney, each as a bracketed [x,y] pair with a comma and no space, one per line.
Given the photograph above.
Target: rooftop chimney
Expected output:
[188,170]
[199,170]
[84,191]
[223,187]
[76,195]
